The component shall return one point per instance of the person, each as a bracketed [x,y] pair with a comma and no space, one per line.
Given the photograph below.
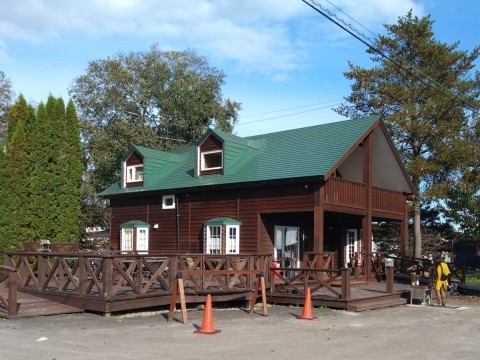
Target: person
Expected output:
[441,281]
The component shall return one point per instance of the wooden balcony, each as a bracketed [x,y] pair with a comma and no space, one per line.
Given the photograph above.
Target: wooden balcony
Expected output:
[350,194]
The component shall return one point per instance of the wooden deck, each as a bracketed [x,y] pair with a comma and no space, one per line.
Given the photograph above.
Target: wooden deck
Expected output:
[29,305]
[364,297]
[109,283]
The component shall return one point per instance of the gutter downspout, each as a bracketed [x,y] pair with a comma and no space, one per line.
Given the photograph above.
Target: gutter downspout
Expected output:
[177,218]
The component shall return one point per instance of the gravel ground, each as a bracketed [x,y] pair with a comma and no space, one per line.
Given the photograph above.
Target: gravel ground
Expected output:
[402,332]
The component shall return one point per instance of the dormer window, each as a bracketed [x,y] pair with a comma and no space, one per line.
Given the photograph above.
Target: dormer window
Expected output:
[134,173]
[209,155]
[133,169]
[212,160]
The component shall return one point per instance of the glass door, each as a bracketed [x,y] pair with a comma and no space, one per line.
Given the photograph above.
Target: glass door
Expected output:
[352,245]
[287,246]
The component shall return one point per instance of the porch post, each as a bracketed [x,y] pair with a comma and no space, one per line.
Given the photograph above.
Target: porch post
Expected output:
[404,230]
[318,216]
[367,219]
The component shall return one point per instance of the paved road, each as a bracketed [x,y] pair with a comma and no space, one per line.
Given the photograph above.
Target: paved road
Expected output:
[406,332]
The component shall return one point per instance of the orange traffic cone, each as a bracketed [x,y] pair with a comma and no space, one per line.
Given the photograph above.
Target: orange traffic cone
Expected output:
[307,307]
[207,324]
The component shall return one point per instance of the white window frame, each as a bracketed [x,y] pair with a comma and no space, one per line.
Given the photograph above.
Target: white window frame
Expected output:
[203,164]
[214,239]
[133,173]
[142,240]
[126,243]
[165,204]
[232,239]
[353,244]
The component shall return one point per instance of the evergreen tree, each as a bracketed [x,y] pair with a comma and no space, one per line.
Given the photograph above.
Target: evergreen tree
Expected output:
[424,91]
[70,189]
[16,214]
[41,175]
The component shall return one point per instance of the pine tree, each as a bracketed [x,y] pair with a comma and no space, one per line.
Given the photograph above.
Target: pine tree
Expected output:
[424,90]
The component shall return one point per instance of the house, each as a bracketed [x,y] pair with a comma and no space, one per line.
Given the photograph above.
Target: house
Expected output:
[315,189]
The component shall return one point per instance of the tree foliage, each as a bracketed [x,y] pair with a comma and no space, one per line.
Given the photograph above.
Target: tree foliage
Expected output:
[15,215]
[427,94]
[6,98]
[159,99]
[463,208]
[41,175]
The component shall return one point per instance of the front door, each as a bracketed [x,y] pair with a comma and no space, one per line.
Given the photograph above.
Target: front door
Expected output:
[352,245]
[287,245]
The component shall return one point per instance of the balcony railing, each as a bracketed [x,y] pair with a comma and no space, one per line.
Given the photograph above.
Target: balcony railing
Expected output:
[351,194]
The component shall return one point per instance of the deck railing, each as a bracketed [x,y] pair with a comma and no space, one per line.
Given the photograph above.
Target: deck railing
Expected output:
[347,193]
[320,260]
[351,194]
[116,275]
[8,278]
[303,278]
[388,200]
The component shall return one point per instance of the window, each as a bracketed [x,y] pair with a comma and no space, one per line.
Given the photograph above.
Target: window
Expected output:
[214,237]
[168,202]
[127,240]
[142,239]
[134,173]
[221,236]
[233,239]
[134,236]
[212,160]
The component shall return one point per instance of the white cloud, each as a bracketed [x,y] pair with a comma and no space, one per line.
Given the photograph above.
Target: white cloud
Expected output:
[260,35]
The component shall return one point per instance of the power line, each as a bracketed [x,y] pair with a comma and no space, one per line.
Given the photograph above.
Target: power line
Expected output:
[286,115]
[369,43]
[292,108]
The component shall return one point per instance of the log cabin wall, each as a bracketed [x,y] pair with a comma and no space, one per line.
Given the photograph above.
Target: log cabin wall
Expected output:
[258,208]
[245,205]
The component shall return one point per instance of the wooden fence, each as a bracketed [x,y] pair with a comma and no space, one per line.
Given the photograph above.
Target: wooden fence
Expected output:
[8,278]
[114,276]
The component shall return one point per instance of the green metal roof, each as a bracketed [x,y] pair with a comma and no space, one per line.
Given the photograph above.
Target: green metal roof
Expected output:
[305,152]
[134,224]
[223,220]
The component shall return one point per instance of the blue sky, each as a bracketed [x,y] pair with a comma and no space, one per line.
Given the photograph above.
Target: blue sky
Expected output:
[284,62]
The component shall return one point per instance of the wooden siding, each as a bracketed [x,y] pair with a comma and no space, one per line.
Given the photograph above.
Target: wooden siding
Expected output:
[134,159]
[211,144]
[259,209]
[194,209]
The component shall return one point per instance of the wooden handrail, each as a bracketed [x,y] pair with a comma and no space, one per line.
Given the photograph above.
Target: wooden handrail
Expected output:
[108,275]
[10,277]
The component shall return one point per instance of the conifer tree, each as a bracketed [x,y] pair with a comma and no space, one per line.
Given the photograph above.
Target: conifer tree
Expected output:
[427,93]
[16,215]
[69,189]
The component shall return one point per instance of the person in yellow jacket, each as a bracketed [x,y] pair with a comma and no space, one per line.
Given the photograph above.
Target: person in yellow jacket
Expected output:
[441,281]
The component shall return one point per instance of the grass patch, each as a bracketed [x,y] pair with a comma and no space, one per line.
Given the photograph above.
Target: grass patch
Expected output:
[472,280]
